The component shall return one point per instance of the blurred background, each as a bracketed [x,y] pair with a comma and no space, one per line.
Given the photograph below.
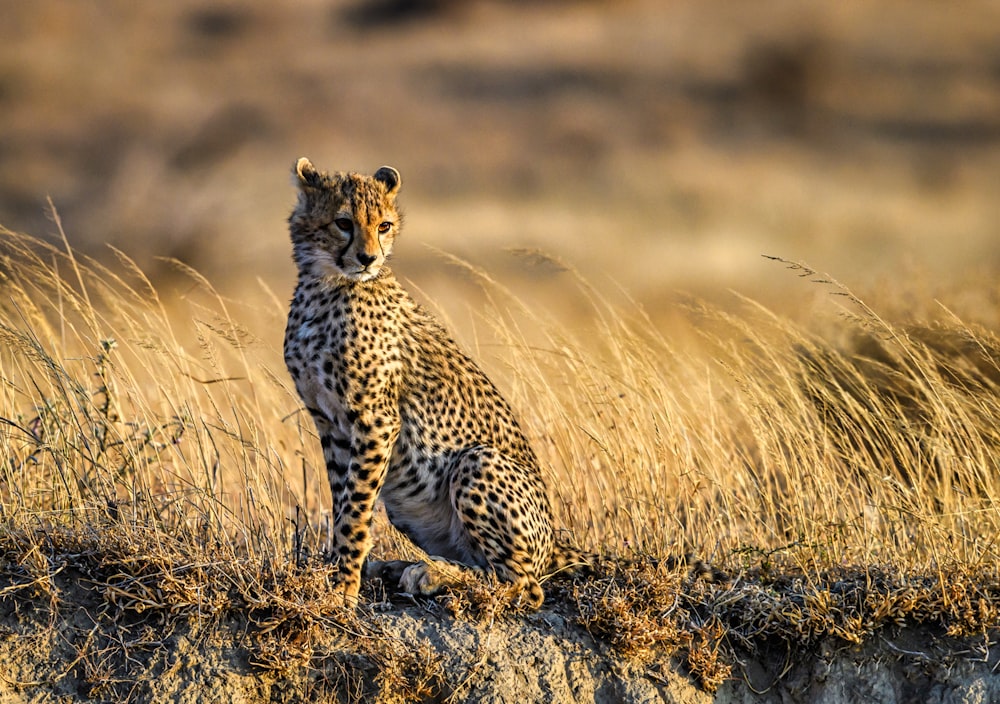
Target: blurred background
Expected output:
[657,146]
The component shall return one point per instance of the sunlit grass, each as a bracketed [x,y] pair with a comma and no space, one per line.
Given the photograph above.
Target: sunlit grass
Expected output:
[852,441]
[113,407]
[874,442]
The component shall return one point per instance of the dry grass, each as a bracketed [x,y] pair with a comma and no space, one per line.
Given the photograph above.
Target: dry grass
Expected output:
[855,441]
[846,473]
[115,409]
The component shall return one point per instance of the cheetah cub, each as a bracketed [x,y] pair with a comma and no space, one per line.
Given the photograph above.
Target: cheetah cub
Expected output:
[401,412]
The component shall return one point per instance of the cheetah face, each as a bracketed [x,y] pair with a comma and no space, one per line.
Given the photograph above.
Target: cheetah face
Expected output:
[344,224]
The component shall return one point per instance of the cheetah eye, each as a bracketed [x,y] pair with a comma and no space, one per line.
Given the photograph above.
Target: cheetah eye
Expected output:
[344,224]
[384,227]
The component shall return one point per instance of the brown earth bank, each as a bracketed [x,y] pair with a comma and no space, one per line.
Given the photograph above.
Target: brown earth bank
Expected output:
[83,634]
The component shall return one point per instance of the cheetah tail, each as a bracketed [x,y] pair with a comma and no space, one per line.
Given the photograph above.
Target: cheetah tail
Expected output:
[699,569]
[568,561]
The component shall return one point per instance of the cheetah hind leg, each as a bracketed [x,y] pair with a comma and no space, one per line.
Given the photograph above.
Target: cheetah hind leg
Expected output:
[501,527]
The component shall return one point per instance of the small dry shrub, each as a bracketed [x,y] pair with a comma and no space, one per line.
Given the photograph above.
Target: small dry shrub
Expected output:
[649,611]
[484,599]
[704,658]
[966,603]
[638,611]
[406,672]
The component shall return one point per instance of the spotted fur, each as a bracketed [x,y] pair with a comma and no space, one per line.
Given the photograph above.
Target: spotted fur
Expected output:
[401,412]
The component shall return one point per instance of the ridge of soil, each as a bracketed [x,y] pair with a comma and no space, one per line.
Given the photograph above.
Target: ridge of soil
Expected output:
[75,645]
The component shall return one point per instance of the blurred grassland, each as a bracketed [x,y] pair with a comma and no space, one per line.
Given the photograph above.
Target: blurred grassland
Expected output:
[588,160]
[661,146]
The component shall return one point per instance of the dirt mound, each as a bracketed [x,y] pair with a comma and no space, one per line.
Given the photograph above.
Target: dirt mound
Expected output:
[69,640]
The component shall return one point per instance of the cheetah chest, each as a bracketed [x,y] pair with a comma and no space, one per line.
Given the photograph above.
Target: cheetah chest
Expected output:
[344,357]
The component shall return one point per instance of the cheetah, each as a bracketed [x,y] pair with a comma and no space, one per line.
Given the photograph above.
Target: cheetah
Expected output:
[402,414]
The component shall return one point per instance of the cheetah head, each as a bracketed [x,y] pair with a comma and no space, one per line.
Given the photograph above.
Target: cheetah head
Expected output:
[344,224]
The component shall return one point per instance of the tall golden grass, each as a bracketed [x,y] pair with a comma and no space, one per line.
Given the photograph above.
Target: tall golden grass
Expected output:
[854,441]
[747,438]
[115,409]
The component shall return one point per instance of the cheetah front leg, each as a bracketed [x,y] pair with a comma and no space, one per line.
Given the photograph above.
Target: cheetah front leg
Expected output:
[356,468]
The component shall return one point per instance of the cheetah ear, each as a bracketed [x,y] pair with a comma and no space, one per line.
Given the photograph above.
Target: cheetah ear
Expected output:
[307,174]
[390,177]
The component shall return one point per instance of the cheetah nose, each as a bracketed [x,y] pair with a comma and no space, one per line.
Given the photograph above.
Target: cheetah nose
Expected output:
[366,258]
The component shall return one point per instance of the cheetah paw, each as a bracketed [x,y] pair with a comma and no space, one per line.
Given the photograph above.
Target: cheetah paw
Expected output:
[429,578]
